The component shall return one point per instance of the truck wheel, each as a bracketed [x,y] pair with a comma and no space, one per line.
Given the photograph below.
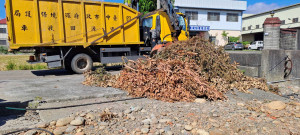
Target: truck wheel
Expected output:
[260,49]
[81,63]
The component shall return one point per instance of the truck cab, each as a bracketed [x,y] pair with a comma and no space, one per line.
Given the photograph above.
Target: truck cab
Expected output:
[156,28]
[256,45]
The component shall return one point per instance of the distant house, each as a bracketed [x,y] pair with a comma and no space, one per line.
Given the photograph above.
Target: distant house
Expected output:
[3,33]
[212,17]
[253,24]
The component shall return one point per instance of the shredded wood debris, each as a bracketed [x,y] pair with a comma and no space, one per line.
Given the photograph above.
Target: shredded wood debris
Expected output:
[99,78]
[107,116]
[183,71]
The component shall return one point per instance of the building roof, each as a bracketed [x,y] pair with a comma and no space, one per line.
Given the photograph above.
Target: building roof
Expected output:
[271,10]
[3,21]
[246,15]
[213,4]
[274,20]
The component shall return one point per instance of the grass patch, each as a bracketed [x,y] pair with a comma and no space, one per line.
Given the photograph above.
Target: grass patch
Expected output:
[3,50]
[18,62]
[11,65]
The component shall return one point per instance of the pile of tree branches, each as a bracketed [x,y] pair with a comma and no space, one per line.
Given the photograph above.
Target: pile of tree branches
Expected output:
[214,63]
[167,80]
[184,71]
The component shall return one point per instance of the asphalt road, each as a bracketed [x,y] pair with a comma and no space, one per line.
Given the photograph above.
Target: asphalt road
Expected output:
[50,85]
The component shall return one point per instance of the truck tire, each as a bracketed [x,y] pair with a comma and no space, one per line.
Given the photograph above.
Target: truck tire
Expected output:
[260,48]
[81,63]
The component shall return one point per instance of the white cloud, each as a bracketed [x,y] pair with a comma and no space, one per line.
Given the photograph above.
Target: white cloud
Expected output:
[261,7]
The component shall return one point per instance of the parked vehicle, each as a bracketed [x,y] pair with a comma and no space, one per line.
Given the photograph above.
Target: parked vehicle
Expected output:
[256,45]
[73,34]
[234,46]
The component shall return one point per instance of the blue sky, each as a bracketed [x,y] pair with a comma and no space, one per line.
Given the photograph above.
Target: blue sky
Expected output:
[254,6]
[258,6]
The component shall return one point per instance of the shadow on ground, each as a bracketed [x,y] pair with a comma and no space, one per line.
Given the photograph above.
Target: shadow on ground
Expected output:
[113,68]
[51,72]
[1,100]
[8,114]
[62,72]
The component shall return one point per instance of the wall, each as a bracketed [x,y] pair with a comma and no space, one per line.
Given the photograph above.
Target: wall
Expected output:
[220,40]
[248,37]
[295,57]
[4,36]
[270,67]
[271,37]
[250,62]
[288,39]
[298,39]
[268,64]
[287,14]
[215,25]
[213,4]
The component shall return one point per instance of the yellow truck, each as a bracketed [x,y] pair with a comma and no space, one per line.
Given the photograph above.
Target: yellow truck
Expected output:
[72,34]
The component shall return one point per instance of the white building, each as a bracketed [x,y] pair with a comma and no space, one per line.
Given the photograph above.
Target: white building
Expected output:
[213,17]
[253,24]
[3,33]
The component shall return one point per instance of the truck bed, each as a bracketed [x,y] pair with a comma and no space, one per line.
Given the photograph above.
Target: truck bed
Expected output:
[40,23]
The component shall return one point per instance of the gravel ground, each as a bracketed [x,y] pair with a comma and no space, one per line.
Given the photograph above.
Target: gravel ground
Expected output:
[241,114]
[15,122]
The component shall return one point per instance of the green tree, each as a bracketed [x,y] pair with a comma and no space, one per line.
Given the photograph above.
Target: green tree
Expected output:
[234,39]
[225,36]
[246,42]
[147,6]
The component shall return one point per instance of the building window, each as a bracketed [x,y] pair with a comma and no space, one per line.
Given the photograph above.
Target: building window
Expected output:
[192,14]
[2,30]
[249,28]
[244,29]
[232,17]
[283,22]
[2,42]
[257,26]
[212,39]
[295,20]
[213,16]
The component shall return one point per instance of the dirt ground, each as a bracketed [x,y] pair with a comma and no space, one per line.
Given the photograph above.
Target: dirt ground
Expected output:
[241,113]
